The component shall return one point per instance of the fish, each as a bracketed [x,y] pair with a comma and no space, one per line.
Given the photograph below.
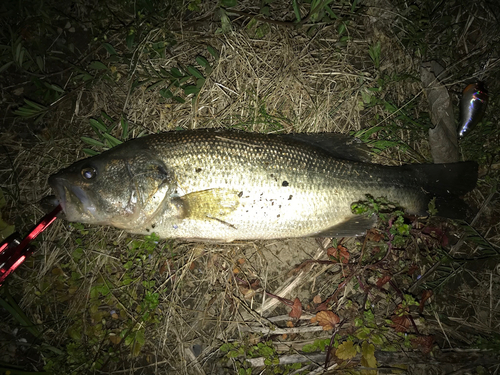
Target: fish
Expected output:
[472,107]
[224,185]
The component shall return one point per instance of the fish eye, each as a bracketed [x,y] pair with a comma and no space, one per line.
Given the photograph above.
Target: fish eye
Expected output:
[88,173]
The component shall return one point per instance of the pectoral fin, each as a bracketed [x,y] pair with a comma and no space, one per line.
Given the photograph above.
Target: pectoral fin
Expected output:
[209,204]
[353,226]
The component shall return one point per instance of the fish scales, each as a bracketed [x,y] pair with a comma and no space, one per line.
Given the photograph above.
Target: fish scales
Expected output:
[225,185]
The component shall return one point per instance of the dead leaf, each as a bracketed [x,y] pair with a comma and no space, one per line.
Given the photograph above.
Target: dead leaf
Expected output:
[241,260]
[426,294]
[374,235]
[163,268]
[296,309]
[255,284]
[339,253]
[327,319]
[290,324]
[438,234]
[383,280]
[323,306]
[412,269]
[423,343]
[444,240]
[247,293]
[400,323]
[317,299]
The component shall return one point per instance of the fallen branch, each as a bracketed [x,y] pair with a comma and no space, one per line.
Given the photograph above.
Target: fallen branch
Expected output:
[281,331]
[468,358]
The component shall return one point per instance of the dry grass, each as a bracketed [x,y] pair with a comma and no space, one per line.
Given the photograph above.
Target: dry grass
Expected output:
[284,81]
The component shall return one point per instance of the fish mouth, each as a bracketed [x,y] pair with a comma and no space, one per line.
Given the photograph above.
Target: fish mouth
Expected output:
[74,202]
[57,186]
[48,203]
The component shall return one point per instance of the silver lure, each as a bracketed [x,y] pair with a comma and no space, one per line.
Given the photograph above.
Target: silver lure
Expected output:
[472,107]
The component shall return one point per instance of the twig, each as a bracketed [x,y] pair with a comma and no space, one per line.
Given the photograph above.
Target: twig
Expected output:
[291,282]
[289,359]
[281,331]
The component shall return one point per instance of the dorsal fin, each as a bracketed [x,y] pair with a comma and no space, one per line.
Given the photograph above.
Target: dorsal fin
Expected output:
[340,146]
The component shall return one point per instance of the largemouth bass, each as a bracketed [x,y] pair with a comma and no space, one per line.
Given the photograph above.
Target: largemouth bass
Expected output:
[226,185]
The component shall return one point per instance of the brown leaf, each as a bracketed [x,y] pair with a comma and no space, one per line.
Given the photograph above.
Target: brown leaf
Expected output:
[323,306]
[374,235]
[426,294]
[444,240]
[438,234]
[290,324]
[247,293]
[241,261]
[317,299]
[340,253]
[383,280]
[327,319]
[423,343]
[296,309]
[163,268]
[400,323]
[255,284]
[412,269]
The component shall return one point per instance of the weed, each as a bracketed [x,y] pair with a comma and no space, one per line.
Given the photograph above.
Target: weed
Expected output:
[374,52]
[123,300]
[237,352]
[318,345]
[188,80]
[385,134]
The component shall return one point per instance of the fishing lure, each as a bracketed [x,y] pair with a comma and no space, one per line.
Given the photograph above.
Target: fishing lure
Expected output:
[472,107]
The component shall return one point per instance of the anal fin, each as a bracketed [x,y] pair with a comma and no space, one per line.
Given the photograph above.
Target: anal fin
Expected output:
[353,226]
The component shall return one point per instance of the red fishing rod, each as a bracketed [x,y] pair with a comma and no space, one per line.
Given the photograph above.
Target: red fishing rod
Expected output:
[14,250]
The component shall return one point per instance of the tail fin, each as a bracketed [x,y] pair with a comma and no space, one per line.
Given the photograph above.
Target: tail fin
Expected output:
[451,206]
[446,182]
[443,179]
